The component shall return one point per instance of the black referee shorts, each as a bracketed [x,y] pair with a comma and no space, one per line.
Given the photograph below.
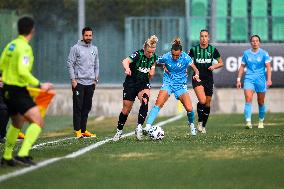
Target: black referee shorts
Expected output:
[130,91]
[208,86]
[17,99]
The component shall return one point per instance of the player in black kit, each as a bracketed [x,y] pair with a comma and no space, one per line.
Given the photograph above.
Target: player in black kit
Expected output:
[139,68]
[206,58]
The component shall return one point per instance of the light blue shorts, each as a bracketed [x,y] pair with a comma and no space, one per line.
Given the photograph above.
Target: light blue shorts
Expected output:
[256,84]
[177,90]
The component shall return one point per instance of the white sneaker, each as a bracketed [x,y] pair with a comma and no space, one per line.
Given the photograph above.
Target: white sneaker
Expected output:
[260,124]
[199,127]
[203,131]
[146,129]
[192,129]
[139,132]
[117,135]
[248,125]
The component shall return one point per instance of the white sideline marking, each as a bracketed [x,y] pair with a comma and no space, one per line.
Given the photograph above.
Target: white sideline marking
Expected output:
[74,154]
[51,142]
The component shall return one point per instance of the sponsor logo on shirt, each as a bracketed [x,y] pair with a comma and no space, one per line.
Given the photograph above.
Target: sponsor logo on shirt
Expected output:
[203,61]
[143,70]
[26,60]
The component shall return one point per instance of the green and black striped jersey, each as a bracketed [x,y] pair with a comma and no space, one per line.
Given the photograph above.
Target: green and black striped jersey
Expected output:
[204,58]
[140,67]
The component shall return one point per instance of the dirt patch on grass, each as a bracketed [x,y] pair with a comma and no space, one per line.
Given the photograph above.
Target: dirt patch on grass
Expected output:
[134,155]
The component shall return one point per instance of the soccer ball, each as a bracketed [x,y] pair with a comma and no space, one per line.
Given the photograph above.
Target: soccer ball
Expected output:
[156,133]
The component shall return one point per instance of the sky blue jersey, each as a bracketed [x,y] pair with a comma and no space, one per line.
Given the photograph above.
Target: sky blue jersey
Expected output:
[177,68]
[255,62]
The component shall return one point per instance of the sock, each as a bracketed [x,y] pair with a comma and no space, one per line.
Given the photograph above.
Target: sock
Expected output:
[143,112]
[261,110]
[247,111]
[4,118]
[200,109]
[153,114]
[32,134]
[11,138]
[190,117]
[121,121]
[206,113]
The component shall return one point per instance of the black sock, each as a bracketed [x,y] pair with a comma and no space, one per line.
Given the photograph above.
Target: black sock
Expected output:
[143,112]
[121,121]
[206,113]
[200,110]
[4,118]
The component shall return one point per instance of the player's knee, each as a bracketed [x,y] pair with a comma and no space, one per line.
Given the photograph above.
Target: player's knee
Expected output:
[145,99]
[188,108]
[202,101]
[125,110]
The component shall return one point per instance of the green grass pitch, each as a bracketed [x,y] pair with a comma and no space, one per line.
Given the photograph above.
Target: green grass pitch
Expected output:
[228,156]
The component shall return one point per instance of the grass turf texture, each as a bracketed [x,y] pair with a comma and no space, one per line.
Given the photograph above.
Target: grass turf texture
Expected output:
[228,156]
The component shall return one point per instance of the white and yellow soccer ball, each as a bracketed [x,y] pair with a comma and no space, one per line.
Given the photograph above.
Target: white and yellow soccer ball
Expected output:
[156,133]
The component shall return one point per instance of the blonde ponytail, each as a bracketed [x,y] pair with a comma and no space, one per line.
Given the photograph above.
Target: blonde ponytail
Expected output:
[151,42]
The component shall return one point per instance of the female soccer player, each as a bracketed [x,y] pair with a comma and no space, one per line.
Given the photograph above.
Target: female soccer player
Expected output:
[206,58]
[176,63]
[139,67]
[255,60]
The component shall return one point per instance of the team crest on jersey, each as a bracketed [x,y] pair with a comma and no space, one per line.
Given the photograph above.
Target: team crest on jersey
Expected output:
[133,55]
[208,53]
[12,47]
[258,59]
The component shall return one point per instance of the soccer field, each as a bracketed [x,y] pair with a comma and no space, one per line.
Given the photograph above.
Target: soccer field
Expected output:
[228,156]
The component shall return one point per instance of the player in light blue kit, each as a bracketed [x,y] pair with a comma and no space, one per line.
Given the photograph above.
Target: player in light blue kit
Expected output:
[256,80]
[176,63]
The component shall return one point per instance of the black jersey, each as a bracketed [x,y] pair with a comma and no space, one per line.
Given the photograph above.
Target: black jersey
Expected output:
[203,58]
[140,67]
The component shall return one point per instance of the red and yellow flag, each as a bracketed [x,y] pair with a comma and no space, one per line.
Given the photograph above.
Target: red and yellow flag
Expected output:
[42,98]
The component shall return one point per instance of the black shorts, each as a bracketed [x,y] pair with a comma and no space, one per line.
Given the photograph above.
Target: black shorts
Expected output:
[2,104]
[207,84]
[17,99]
[130,90]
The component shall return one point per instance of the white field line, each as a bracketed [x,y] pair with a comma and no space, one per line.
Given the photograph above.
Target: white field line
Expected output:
[74,154]
[51,142]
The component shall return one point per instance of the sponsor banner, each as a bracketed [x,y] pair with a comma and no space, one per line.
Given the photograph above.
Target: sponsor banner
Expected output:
[232,55]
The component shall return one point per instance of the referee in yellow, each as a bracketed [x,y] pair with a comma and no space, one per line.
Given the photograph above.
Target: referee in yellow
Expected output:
[16,64]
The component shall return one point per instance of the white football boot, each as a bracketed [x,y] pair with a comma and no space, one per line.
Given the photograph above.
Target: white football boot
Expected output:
[146,129]
[248,125]
[139,132]
[192,129]
[117,135]
[260,124]
[199,126]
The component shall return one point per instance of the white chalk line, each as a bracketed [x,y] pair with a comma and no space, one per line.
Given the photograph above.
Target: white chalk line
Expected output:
[74,154]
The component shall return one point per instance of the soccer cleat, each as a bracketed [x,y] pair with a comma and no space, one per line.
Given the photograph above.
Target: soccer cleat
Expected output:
[139,132]
[88,134]
[192,129]
[146,129]
[26,160]
[199,127]
[78,134]
[117,135]
[248,125]
[10,162]
[203,131]
[21,136]
[260,124]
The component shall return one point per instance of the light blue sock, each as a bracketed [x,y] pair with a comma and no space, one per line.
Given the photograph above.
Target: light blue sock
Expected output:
[247,111]
[261,110]
[153,114]
[190,117]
